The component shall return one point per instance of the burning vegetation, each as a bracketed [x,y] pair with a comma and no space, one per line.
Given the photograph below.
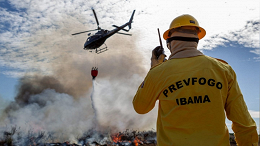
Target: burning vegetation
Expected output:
[14,137]
[90,138]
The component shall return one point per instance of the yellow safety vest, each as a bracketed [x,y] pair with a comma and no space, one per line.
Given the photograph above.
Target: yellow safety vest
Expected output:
[195,95]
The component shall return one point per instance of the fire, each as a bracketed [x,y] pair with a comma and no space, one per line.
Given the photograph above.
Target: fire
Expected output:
[136,141]
[126,138]
[116,138]
[121,138]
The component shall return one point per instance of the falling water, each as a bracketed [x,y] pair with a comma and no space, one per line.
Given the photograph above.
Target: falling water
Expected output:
[95,121]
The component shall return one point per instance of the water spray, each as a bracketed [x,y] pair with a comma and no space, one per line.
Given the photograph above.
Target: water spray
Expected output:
[95,121]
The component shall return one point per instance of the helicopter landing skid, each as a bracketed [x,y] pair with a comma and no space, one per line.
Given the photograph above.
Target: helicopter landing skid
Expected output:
[98,51]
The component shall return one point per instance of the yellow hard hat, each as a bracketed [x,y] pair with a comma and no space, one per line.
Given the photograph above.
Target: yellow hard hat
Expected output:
[184,20]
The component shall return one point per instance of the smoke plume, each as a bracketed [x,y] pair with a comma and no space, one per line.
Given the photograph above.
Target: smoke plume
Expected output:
[54,95]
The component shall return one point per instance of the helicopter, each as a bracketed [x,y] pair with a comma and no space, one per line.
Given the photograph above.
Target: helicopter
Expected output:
[95,41]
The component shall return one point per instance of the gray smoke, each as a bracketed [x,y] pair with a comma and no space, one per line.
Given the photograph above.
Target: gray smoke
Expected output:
[56,97]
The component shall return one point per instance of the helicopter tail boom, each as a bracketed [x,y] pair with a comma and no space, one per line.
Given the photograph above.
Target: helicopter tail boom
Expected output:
[131,19]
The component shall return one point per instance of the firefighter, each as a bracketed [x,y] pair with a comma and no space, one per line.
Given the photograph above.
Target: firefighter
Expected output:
[195,92]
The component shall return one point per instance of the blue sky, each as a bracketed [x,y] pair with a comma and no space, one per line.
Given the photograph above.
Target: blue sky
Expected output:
[248,74]
[7,86]
[246,68]
[35,40]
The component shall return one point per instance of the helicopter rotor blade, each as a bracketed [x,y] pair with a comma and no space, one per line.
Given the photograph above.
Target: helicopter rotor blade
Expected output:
[124,33]
[83,32]
[95,17]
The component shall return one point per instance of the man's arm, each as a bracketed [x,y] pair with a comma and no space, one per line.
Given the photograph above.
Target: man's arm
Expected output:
[145,97]
[147,94]
[243,125]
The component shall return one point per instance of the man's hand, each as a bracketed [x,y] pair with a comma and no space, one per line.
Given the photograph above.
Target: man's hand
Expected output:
[154,60]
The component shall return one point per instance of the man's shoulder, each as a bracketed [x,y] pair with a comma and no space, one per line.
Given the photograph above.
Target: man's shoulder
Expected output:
[217,60]
[223,61]
[156,69]
[219,63]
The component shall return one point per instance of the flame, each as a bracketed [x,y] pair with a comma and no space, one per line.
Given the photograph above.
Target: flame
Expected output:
[136,141]
[116,138]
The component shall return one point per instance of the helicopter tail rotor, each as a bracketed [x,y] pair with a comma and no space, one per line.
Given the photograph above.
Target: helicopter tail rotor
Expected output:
[120,28]
[131,20]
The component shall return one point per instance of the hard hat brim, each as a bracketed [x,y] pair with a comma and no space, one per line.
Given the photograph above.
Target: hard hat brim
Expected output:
[201,34]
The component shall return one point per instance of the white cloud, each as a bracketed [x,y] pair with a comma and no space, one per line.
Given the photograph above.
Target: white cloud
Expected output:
[248,36]
[254,114]
[30,40]
[30,37]
[257,51]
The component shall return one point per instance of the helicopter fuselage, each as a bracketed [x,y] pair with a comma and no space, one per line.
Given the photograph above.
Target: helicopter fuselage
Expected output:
[94,42]
[100,37]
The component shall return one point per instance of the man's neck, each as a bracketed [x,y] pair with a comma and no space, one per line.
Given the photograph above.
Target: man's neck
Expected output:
[183,49]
